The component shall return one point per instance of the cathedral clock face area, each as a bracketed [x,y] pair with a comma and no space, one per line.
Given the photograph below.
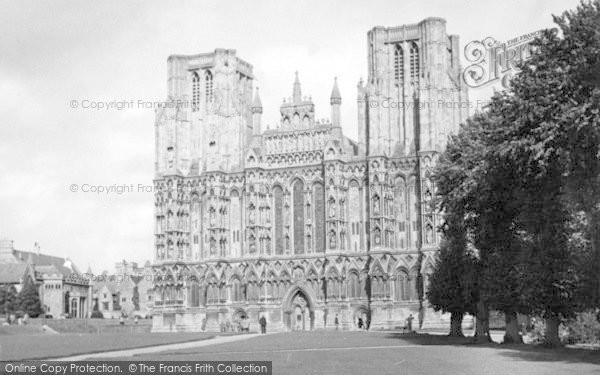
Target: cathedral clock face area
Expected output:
[298,222]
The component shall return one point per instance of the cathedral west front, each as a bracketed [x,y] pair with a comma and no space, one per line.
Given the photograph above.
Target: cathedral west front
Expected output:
[299,223]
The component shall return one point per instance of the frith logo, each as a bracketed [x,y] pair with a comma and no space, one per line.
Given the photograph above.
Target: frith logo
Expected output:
[492,61]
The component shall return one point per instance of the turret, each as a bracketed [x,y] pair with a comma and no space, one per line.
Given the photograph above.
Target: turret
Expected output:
[256,114]
[297,96]
[336,101]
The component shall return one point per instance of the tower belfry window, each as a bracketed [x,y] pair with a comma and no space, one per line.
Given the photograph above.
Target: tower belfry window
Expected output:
[414,62]
[195,92]
[399,63]
[208,79]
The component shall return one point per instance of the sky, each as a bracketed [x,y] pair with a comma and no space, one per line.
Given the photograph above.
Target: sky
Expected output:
[58,57]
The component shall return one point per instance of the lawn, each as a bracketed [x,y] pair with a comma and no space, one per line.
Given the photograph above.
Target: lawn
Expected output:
[329,352]
[40,346]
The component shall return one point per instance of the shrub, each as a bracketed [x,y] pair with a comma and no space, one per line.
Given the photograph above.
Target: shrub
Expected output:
[97,315]
[584,329]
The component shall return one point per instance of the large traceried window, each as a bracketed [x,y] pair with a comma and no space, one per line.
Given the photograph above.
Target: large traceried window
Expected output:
[236,291]
[402,286]
[414,62]
[278,204]
[400,212]
[194,294]
[195,92]
[298,217]
[319,204]
[208,84]
[399,64]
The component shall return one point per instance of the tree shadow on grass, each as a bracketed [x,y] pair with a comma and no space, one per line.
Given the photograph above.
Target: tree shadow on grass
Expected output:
[517,352]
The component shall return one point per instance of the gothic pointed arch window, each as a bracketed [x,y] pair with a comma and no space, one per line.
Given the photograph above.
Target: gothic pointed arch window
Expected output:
[298,200]
[236,290]
[399,64]
[354,205]
[194,294]
[353,285]
[208,84]
[319,207]
[402,287]
[195,92]
[414,62]
[278,204]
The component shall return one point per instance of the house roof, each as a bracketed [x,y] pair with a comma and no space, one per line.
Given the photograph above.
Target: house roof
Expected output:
[42,261]
[12,273]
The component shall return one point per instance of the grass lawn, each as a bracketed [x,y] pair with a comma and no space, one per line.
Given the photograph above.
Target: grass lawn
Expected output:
[40,346]
[329,352]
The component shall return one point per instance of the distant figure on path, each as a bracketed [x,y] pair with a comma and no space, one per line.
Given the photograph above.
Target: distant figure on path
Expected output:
[336,321]
[135,320]
[360,323]
[409,321]
[121,321]
[263,324]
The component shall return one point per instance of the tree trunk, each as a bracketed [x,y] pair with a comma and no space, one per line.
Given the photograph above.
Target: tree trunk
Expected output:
[456,325]
[551,337]
[482,327]
[511,335]
[593,216]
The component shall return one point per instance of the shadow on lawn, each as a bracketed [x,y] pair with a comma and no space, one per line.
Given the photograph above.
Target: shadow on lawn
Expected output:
[517,352]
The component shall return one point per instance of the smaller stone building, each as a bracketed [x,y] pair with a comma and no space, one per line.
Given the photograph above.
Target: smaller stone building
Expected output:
[63,289]
[127,291]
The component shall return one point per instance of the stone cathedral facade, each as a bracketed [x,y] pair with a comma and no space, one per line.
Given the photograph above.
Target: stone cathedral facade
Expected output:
[299,223]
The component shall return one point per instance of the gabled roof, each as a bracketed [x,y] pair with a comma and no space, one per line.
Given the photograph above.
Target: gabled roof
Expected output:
[13,273]
[46,260]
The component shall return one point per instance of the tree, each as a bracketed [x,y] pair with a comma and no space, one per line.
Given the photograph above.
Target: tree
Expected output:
[29,299]
[452,283]
[474,187]
[550,132]
[8,299]
[136,298]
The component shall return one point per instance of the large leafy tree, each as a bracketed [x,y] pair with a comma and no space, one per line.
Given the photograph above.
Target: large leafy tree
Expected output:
[453,281]
[477,201]
[551,135]
[556,134]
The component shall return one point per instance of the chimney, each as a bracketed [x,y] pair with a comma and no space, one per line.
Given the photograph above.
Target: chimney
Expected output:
[37,248]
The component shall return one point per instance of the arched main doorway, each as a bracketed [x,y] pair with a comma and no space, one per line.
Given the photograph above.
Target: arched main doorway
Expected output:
[298,310]
[361,314]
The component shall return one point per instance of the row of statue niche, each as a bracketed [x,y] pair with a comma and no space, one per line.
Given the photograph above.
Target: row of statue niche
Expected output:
[333,208]
[212,216]
[264,243]
[300,142]
[171,250]
[429,235]
[264,214]
[213,246]
[181,222]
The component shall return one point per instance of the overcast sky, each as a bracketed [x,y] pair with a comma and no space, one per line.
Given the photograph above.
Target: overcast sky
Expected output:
[52,53]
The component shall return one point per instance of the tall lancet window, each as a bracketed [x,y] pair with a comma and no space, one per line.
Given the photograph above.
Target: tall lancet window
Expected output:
[278,198]
[414,62]
[195,92]
[399,63]
[208,81]
[298,189]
